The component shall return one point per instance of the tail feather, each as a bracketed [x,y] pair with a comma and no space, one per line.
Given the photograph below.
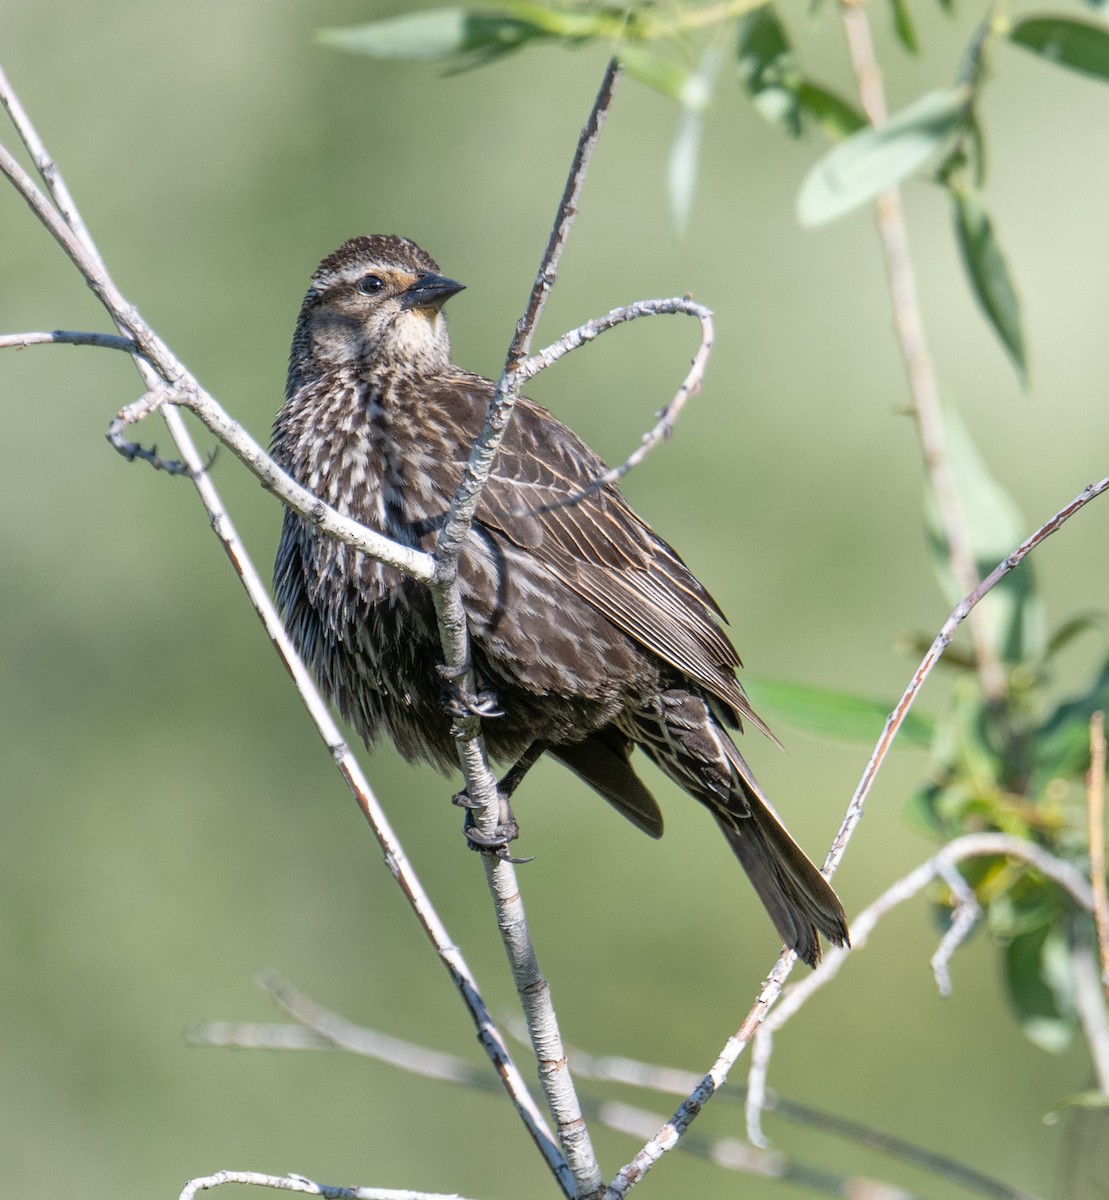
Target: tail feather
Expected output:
[695,751]
[798,898]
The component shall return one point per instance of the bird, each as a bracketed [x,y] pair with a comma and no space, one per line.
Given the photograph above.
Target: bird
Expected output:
[589,635]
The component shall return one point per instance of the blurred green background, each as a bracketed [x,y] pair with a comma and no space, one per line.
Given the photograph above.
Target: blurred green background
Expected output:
[170,824]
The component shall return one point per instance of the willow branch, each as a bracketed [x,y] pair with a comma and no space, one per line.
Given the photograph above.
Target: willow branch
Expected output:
[531,986]
[939,866]
[911,340]
[668,1135]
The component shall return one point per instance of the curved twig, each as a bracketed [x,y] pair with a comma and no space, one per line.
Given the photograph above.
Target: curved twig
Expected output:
[666,1137]
[939,866]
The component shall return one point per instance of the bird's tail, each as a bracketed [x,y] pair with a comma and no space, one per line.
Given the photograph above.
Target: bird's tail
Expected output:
[695,751]
[798,898]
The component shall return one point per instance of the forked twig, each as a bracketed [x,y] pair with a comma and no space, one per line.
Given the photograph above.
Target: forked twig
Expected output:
[940,866]
[667,1136]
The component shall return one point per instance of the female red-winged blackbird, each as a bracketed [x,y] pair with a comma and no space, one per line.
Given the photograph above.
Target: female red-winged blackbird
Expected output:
[586,626]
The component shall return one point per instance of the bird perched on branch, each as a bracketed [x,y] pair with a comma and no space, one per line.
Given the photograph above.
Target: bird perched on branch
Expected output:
[585,625]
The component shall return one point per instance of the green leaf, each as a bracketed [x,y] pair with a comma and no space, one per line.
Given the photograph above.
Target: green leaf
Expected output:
[681,168]
[989,274]
[681,174]
[434,34]
[477,36]
[1011,615]
[840,716]
[768,69]
[1072,628]
[1075,44]
[1090,1099]
[658,72]
[1061,747]
[836,118]
[1037,970]
[864,165]
[903,26]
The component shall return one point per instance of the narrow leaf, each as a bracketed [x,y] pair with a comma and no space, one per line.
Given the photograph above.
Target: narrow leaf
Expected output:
[654,70]
[685,152]
[1038,974]
[836,118]
[840,716]
[768,68]
[434,34]
[681,169]
[989,274]
[1011,615]
[864,165]
[1075,44]
[903,26]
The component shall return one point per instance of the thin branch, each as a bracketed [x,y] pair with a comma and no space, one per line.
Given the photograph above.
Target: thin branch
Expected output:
[74,239]
[940,866]
[307,1187]
[567,211]
[207,409]
[673,1080]
[666,417]
[108,341]
[667,1136]
[531,986]
[326,1030]
[939,644]
[735,1155]
[911,340]
[1095,791]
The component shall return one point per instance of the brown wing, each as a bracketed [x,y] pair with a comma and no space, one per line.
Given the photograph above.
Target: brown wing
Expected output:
[600,549]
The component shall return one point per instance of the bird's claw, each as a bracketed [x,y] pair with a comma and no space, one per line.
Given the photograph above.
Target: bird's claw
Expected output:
[460,701]
[494,845]
[504,832]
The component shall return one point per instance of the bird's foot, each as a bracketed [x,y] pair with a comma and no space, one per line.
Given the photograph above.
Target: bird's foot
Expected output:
[503,834]
[460,701]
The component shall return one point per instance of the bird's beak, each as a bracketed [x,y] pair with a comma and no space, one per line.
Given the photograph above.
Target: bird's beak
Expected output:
[430,291]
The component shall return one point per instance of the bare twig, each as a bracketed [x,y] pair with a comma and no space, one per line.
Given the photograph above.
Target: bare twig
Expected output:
[326,1030]
[667,416]
[735,1155]
[909,327]
[531,986]
[667,1136]
[298,1183]
[567,211]
[158,367]
[673,1080]
[939,644]
[108,341]
[940,866]
[1095,791]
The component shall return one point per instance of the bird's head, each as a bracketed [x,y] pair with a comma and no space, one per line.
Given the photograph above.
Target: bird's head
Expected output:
[377,301]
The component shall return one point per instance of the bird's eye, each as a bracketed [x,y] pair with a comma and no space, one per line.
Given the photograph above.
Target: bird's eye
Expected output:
[369,284]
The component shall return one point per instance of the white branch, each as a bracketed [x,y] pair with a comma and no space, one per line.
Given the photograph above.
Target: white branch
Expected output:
[298,1183]
[940,866]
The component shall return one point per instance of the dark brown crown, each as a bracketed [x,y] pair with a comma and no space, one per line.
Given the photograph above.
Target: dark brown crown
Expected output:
[383,249]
